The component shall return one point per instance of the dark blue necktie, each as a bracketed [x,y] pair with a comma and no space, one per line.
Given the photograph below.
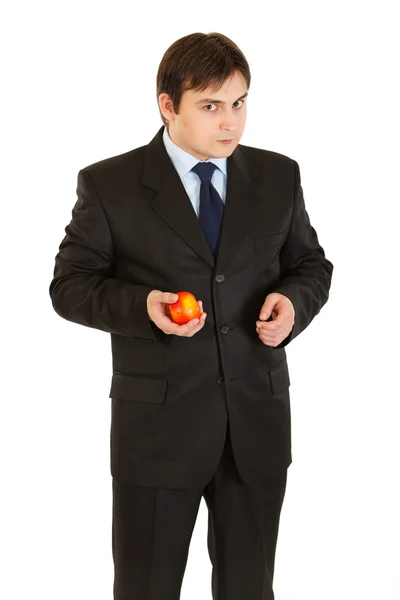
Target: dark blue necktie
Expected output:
[211,205]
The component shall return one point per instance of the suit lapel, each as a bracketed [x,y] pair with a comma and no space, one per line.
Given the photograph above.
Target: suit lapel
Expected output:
[173,205]
[241,205]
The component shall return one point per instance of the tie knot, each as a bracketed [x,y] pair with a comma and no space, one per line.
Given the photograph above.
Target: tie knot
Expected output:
[204,170]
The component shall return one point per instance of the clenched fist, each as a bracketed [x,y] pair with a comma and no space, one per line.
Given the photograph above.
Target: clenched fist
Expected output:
[272,333]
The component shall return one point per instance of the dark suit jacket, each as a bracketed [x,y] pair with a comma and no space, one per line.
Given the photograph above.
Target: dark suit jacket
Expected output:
[133,230]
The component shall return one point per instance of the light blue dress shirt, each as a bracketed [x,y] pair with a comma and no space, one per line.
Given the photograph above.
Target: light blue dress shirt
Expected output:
[184,162]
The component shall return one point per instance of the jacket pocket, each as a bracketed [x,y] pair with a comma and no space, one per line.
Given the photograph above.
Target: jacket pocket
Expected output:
[279,378]
[270,241]
[126,386]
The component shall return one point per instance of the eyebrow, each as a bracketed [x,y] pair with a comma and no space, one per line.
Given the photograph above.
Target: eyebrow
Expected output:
[213,101]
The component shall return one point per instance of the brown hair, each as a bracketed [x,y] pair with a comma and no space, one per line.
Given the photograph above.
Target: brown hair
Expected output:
[198,61]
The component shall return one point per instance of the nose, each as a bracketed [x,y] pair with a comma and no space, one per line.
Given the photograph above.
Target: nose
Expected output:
[227,125]
[227,122]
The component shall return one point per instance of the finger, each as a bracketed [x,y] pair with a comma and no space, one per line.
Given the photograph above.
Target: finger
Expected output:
[271,344]
[201,321]
[169,327]
[271,326]
[261,329]
[280,321]
[186,327]
[200,324]
[267,337]
[270,341]
[272,331]
[192,327]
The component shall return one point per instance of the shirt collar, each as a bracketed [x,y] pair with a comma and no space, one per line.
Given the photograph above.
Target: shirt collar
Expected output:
[184,161]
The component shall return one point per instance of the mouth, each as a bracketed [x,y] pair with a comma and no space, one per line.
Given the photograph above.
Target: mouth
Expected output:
[225,141]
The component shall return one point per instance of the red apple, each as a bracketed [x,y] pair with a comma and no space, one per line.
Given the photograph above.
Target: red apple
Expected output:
[184,309]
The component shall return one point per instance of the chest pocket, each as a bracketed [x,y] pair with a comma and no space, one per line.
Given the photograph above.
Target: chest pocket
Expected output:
[269,245]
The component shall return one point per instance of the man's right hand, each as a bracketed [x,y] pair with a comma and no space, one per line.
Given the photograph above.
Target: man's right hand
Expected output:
[157,310]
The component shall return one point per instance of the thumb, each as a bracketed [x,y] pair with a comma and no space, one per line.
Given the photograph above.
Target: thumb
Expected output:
[169,297]
[267,307]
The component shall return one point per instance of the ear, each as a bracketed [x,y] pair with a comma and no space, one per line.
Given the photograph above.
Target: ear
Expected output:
[166,106]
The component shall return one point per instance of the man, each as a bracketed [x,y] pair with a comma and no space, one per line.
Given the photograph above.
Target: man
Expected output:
[200,409]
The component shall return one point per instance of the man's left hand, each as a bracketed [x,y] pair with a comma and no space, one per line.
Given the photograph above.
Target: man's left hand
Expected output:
[282,310]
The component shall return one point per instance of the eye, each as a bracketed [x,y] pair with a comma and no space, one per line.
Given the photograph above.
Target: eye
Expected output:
[207,105]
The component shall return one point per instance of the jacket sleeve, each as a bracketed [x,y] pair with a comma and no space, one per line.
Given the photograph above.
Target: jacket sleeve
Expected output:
[83,289]
[306,273]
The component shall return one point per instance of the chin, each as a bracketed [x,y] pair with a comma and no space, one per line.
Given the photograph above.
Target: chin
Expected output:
[219,151]
[225,152]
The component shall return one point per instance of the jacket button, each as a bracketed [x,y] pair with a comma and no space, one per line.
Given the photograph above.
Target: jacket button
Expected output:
[221,380]
[224,329]
[220,278]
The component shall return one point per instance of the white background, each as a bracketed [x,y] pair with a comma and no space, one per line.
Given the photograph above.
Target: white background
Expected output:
[79,86]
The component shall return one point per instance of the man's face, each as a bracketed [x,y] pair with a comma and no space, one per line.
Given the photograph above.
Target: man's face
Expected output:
[206,118]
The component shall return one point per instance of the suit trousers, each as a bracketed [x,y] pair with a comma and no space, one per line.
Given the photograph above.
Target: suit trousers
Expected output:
[152,529]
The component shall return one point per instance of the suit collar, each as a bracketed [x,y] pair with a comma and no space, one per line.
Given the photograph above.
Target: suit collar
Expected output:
[172,204]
